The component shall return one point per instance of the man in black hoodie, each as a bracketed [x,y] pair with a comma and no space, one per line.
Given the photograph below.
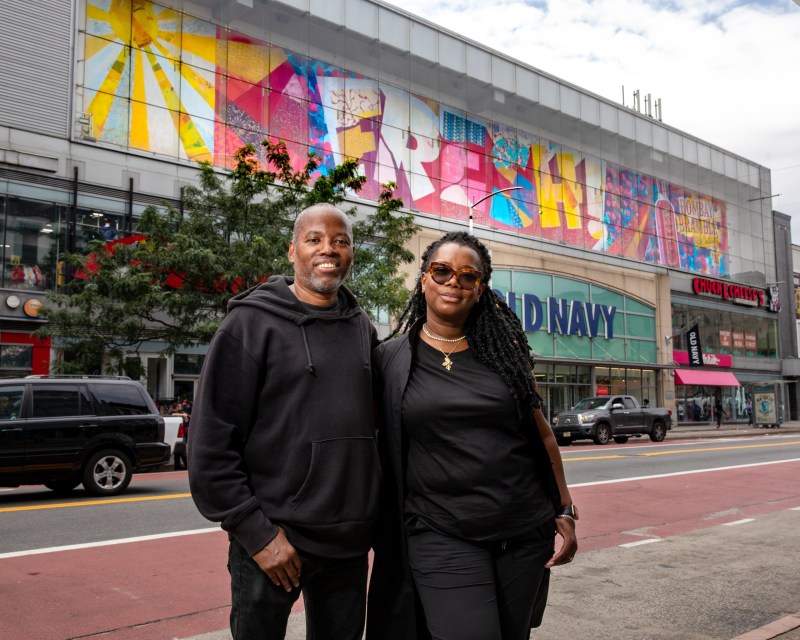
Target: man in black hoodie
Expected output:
[283,447]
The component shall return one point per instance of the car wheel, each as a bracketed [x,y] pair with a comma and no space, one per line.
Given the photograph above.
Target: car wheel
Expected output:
[564,442]
[659,432]
[620,439]
[602,435]
[62,487]
[107,473]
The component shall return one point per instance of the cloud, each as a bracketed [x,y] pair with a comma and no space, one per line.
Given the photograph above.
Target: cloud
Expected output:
[726,71]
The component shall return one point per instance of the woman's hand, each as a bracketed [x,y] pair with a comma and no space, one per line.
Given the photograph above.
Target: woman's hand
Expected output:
[565,527]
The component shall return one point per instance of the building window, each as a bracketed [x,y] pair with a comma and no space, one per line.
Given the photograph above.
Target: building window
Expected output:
[188,364]
[725,331]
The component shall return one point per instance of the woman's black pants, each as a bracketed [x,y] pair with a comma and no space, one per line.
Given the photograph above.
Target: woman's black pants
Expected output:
[478,591]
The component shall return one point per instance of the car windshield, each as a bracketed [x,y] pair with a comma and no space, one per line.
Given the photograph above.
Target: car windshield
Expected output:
[590,403]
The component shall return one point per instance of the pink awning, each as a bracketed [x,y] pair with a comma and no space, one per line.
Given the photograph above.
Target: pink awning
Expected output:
[706,378]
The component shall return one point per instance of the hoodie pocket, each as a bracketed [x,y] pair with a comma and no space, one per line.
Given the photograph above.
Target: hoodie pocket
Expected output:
[342,484]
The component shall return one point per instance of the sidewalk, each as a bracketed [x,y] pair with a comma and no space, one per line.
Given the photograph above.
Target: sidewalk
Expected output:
[731,429]
[564,612]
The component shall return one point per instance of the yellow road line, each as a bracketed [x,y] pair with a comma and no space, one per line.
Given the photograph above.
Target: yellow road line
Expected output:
[741,446]
[676,452]
[608,457]
[93,503]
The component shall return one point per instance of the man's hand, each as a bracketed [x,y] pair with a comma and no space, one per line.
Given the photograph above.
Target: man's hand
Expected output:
[280,562]
[565,527]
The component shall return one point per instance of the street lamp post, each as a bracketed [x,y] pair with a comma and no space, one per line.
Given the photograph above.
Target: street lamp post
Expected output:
[486,197]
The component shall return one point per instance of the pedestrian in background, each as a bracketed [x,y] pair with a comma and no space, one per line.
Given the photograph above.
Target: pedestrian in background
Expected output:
[283,441]
[719,412]
[475,487]
[748,407]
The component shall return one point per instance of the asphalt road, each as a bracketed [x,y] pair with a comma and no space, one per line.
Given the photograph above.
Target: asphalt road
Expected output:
[665,553]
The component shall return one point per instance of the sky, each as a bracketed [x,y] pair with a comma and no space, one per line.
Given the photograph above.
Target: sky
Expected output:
[726,71]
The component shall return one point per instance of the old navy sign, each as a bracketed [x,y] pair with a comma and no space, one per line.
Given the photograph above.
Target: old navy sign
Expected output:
[741,294]
[695,350]
[567,317]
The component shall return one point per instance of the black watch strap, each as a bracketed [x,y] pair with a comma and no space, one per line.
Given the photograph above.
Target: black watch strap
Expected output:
[568,511]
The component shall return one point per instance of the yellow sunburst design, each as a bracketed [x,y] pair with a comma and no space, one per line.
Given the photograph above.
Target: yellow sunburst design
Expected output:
[142,61]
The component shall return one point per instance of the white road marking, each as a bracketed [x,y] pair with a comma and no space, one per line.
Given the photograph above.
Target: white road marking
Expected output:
[735,522]
[679,473]
[639,543]
[105,543]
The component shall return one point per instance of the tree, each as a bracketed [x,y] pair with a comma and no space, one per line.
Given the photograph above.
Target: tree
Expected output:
[171,282]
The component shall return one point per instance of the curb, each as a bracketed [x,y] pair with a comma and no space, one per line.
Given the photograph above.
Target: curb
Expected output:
[773,629]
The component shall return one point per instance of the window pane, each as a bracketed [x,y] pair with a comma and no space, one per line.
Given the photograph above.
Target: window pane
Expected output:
[16,356]
[188,363]
[121,400]
[539,284]
[541,343]
[640,326]
[610,298]
[11,402]
[573,347]
[60,402]
[31,243]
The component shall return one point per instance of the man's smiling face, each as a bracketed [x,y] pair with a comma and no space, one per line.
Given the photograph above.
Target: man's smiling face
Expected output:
[322,254]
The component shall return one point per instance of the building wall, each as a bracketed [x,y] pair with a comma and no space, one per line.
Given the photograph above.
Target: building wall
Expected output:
[37,63]
[105,114]
[586,173]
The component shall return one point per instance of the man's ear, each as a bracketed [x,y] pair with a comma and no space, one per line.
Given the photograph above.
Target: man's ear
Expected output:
[291,251]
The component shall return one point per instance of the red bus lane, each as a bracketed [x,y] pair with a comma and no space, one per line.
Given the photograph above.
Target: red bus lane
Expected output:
[630,511]
[178,587]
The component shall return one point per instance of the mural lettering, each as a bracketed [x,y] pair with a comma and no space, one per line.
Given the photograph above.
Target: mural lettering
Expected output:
[161,81]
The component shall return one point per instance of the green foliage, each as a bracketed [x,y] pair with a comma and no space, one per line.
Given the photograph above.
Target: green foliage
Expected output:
[231,233]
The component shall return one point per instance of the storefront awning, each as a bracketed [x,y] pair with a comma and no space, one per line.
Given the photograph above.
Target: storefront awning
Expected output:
[706,378]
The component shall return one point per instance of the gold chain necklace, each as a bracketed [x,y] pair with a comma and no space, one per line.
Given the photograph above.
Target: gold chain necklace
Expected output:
[447,363]
[433,336]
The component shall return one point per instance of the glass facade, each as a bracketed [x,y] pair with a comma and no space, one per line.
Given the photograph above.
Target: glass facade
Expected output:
[161,81]
[726,330]
[563,385]
[164,84]
[36,233]
[571,319]
[568,319]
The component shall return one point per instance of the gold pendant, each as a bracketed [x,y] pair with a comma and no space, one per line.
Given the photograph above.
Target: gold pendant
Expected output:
[447,363]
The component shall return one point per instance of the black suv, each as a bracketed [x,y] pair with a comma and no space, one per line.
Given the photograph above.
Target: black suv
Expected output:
[61,431]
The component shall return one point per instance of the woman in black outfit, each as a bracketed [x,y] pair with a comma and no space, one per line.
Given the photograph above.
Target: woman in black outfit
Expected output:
[474,485]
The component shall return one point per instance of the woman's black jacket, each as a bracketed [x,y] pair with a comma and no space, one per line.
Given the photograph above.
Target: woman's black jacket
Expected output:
[393,609]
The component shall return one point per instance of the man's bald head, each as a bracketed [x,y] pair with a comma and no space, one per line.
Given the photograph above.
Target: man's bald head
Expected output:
[319,208]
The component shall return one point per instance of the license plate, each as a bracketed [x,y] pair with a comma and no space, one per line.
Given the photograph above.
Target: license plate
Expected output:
[565,434]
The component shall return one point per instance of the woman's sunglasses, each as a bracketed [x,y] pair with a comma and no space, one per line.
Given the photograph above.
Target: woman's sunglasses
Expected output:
[467,278]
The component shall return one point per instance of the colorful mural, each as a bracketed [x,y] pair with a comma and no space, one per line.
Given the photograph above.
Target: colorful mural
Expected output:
[159,80]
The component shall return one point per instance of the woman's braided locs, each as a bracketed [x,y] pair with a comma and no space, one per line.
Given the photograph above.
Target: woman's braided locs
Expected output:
[493,330]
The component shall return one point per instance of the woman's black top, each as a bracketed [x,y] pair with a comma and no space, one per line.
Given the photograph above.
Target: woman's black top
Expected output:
[470,468]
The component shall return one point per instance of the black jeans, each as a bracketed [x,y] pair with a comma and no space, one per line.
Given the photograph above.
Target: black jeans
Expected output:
[334,590]
[478,591]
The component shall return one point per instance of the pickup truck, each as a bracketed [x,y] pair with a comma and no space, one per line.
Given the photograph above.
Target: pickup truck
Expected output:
[602,418]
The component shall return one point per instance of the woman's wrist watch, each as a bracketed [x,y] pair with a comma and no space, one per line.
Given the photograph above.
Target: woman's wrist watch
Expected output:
[568,511]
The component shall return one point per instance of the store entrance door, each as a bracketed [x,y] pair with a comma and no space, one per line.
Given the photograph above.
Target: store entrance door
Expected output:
[184,389]
[560,399]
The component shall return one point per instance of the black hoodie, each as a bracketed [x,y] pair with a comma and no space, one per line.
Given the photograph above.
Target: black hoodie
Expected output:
[282,427]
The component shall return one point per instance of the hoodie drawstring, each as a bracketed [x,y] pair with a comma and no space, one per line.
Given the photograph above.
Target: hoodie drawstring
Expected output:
[310,366]
[362,343]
